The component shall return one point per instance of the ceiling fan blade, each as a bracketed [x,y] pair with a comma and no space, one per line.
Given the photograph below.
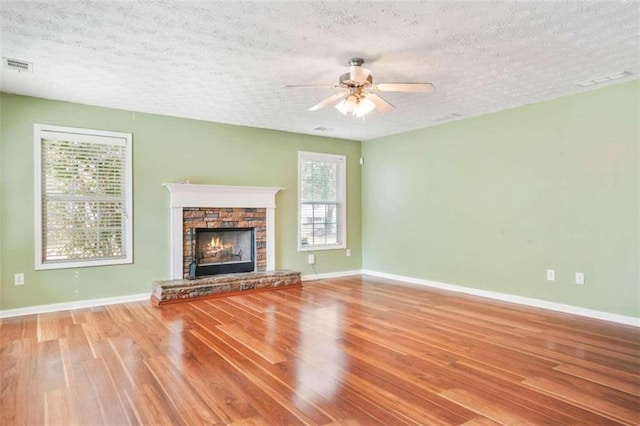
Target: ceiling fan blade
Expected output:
[404,87]
[327,101]
[312,86]
[358,74]
[381,104]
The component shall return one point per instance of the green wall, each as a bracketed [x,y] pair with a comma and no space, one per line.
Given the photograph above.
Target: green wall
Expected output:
[165,149]
[492,202]
[488,202]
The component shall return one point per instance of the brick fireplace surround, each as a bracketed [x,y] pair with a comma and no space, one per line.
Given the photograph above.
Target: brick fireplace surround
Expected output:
[206,217]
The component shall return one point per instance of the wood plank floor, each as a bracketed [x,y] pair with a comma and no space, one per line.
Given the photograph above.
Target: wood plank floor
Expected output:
[353,350]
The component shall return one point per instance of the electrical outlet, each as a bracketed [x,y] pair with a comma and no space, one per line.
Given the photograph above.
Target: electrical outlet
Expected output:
[312,259]
[580,278]
[551,275]
[18,279]
[348,252]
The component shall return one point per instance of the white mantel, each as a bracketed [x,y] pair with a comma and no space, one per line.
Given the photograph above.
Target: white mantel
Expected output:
[189,195]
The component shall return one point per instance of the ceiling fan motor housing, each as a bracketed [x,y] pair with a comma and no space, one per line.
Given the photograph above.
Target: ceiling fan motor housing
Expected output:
[345,81]
[357,76]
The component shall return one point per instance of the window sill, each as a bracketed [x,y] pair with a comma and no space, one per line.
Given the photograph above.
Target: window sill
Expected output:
[318,248]
[39,266]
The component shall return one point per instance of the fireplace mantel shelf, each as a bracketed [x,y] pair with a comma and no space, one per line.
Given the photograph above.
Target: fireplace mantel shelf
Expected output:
[198,195]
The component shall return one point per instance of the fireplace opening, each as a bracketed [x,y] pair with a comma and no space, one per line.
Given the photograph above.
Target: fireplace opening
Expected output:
[222,251]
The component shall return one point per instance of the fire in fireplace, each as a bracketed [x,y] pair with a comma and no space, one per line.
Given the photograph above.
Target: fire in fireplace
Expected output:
[222,251]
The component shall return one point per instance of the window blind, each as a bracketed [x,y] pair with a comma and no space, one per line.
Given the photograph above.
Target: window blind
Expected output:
[322,193]
[84,198]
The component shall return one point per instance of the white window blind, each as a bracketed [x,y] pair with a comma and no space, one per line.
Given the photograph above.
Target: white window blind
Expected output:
[83,197]
[322,207]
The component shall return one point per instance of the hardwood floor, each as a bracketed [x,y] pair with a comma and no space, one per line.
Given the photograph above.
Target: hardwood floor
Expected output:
[343,351]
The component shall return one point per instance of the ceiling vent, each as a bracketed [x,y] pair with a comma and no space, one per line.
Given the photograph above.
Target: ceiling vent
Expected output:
[446,117]
[603,79]
[17,65]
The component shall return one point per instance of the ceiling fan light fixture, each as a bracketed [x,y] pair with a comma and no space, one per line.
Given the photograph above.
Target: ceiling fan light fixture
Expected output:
[344,107]
[364,107]
[358,106]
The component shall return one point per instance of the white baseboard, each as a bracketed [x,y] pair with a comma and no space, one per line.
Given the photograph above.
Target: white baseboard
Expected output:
[520,300]
[331,275]
[66,306]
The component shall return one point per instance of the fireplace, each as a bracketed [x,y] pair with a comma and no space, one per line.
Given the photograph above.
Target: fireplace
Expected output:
[222,251]
[223,241]
[218,206]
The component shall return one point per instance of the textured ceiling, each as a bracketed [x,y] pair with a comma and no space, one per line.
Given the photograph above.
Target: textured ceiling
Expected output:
[228,62]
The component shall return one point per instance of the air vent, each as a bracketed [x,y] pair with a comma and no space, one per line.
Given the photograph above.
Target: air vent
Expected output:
[323,129]
[17,65]
[603,79]
[446,117]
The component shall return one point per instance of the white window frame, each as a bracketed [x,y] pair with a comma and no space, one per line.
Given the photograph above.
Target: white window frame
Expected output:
[342,201]
[45,131]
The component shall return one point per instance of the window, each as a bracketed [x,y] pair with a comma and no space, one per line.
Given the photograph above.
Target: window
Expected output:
[322,209]
[83,199]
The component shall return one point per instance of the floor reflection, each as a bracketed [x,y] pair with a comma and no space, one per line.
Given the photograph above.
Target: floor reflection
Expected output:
[320,360]
[270,321]
[176,344]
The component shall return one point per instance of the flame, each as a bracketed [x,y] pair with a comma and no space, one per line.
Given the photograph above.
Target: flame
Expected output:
[217,245]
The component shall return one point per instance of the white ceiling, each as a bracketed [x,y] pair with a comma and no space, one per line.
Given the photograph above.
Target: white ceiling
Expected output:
[229,61]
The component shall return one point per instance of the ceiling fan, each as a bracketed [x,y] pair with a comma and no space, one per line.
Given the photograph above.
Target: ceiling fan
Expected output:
[358,98]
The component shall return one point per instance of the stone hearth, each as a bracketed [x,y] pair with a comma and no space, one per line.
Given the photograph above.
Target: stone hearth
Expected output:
[172,291]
